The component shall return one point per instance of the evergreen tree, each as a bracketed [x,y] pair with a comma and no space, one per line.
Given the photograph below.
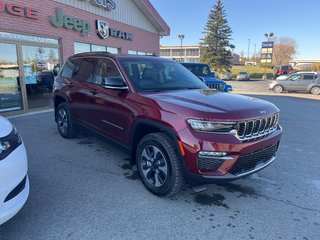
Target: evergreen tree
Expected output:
[215,46]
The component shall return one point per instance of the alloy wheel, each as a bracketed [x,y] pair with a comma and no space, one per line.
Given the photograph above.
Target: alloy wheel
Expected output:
[154,166]
[315,90]
[63,121]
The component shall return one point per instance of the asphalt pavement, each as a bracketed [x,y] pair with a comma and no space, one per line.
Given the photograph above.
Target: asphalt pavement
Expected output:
[85,188]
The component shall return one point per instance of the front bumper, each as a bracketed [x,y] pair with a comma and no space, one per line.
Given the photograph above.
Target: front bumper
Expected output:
[14,183]
[242,159]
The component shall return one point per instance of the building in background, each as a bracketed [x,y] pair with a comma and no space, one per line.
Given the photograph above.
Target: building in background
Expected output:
[36,37]
[188,54]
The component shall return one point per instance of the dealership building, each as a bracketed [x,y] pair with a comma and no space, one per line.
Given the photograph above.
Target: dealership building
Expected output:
[36,38]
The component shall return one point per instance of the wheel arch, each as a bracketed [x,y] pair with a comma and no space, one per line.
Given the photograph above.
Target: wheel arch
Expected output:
[58,99]
[143,127]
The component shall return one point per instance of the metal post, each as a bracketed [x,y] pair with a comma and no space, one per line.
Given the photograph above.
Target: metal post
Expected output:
[248,48]
[181,36]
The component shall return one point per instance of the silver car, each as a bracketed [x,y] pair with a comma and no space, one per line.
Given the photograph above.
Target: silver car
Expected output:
[243,75]
[304,82]
[226,76]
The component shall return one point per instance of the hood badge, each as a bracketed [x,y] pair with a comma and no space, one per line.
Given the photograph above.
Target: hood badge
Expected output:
[263,112]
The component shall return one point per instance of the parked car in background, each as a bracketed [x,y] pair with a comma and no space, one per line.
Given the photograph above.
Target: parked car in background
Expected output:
[301,81]
[243,75]
[175,128]
[202,71]
[226,76]
[282,70]
[14,182]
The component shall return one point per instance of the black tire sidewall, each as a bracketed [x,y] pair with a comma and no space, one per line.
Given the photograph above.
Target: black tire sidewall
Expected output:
[170,181]
[70,132]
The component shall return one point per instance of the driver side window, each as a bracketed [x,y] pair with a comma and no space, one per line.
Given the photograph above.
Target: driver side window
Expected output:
[295,78]
[105,69]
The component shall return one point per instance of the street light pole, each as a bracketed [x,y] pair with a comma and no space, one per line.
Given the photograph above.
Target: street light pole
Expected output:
[181,36]
[248,48]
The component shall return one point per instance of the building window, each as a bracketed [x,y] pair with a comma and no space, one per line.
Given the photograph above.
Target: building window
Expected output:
[113,50]
[177,52]
[193,52]
[98,48]
[86,47]
[81,47]
[165,52]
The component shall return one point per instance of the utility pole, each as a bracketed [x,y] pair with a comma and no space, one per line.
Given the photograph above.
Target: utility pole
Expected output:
[181,36]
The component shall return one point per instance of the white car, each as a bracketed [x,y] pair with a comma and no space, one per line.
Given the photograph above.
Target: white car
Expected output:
[14,182]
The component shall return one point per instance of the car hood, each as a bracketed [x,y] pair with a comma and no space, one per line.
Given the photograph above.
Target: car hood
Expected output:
[212,104]
[5,127]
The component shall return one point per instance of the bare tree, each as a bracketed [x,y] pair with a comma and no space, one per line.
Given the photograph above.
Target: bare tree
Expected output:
[284,50]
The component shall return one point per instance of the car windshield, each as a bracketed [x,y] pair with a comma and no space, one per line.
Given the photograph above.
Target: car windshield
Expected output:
[156,74]
[242,72]
[199,70]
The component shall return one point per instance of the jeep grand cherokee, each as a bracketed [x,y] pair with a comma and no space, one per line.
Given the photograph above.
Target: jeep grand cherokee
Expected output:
[174,126]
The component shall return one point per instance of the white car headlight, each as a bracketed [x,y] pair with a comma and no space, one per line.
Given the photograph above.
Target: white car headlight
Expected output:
[215,127]
[9,143]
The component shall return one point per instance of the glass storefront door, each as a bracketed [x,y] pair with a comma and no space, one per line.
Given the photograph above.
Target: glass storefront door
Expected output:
[40,66]
[10,89]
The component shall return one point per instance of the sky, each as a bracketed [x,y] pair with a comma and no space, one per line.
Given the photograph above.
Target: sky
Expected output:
[248,19]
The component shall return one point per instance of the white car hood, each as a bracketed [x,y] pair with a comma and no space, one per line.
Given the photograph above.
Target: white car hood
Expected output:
[5,127]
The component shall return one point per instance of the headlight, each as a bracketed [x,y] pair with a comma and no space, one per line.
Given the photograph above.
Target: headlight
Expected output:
[9,143]
[215,127]
[221,86]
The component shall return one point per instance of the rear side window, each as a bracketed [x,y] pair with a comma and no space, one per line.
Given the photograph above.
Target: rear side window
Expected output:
[71,68]
[308,77]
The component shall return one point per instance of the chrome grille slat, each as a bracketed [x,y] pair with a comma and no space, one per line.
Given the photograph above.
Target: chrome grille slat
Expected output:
[254,129]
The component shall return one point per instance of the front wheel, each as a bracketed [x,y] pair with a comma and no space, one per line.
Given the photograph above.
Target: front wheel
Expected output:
[315,90]
[159,165]
[64,123]
[278,89]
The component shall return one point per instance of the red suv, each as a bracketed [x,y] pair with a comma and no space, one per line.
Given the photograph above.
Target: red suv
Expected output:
[174,126]
[282,70]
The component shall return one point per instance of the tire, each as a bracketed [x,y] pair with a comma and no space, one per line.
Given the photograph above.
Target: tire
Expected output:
[278,89]
[159,165]
[315,90]
[64,122]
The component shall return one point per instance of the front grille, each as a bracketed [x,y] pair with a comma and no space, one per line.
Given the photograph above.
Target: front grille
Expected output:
[249,162]
[254,129]
[18,189]
[209,164]
[213,85]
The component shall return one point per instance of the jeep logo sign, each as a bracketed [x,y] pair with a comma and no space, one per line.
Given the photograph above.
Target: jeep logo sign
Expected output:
[76,24]
[108,5]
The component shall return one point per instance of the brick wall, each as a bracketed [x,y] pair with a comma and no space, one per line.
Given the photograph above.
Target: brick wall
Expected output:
[143,40]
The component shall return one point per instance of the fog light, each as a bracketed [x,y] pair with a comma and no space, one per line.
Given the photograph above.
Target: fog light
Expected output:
[211,154]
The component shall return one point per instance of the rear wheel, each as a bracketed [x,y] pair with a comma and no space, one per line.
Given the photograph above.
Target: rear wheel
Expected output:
[64,123]
[315,90]
[159,165]
[278,89]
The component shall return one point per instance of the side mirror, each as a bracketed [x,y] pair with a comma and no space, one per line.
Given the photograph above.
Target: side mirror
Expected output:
[115,83]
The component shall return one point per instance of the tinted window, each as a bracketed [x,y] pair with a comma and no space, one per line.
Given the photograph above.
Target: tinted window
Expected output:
[156,74]
[86,71]
[199,70]
[105,69]
[71,68]
[308,77]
